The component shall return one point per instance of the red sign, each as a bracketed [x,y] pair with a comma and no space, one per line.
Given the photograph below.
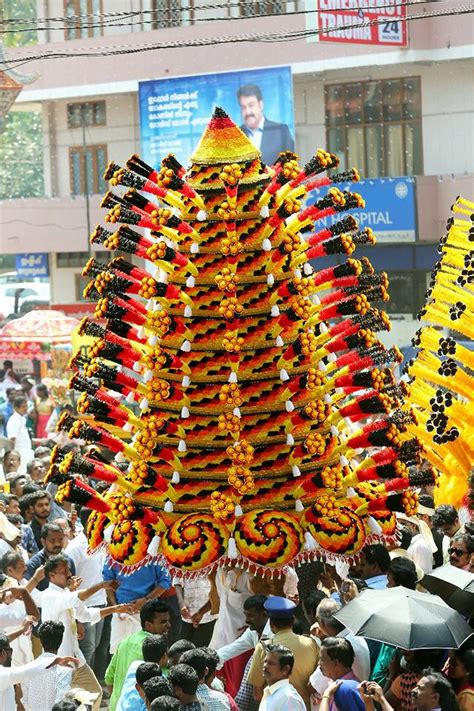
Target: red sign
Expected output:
[349,21]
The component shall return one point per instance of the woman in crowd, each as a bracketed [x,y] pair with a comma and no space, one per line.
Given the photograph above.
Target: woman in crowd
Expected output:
[461,674]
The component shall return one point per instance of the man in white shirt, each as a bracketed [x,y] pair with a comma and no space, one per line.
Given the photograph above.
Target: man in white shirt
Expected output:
[422,545]
[89,568]
[18,434]
[15,603]
[66,606]
[42,691]
[17,675]
[256,620]
[258,627]
[279,694]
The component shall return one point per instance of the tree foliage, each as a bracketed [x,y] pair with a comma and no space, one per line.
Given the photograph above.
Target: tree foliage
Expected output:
[21,156]
[19,35]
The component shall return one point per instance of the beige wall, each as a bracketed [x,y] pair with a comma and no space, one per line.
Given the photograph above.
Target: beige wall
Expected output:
[448,153]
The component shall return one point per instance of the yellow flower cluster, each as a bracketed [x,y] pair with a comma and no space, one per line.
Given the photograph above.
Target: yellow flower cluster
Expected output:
[147,438]
[158,321]
[160,216]
[410,502]
[315,443]
[226,211]
[232,343]
[326,505]
[241,452]
[301,306]
[317,410]
[332,477]
[165,177]
[158,389]
[290,242]
[157,251]
[122,508]
[112,241]
[154,360]
[226,280]
[290,169]
[231,174]
[315,379]
[230,422]
[138,473]
[230,306]
[303,285]
[221,505]
[230,395]
[308,343]
[231,245]
[147,287]
[241,479]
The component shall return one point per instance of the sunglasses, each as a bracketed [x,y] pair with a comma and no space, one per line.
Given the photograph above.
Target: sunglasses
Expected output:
[456,551]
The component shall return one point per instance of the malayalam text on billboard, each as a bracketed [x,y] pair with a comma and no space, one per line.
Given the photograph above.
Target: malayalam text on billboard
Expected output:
[174,112]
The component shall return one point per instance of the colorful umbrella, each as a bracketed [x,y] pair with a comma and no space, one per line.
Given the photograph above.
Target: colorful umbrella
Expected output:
[33,335]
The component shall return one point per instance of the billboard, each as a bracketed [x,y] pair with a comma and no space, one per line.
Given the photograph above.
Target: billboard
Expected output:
[350,21]
[32,265]
[174,112]
[390,208]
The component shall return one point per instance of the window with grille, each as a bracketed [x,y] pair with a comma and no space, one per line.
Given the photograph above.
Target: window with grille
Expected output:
[376,126]
[87,165]
[89,113]
[251,9]
[78,259]
[167,13]
[83,18]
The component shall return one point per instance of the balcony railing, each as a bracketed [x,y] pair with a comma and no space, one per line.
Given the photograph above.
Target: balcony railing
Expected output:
[174,13]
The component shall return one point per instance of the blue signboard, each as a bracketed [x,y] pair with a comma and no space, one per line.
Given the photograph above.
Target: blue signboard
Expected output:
[174,112]
[32,264]
[389,208]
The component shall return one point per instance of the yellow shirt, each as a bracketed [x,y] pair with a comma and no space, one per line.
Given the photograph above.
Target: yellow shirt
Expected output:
[306,655]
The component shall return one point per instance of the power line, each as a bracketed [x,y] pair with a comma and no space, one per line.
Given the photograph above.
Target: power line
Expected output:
[114,50]
[70,22]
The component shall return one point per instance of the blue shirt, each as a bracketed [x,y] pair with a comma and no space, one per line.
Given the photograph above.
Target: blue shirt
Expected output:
[347,698]
[139,583]
[6,412]
[28,540]
[130,699]
[378,582]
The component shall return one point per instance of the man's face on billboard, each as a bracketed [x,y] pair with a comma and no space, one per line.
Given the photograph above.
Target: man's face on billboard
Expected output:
[252,111]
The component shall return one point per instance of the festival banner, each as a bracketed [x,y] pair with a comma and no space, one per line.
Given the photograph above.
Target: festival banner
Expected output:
[174,112]
[348,21]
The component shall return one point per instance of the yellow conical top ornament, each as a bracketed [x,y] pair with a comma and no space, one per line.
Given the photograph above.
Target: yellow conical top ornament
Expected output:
[223,142]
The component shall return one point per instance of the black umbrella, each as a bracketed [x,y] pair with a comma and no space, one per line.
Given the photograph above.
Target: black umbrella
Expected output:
[405,618]
[454,585]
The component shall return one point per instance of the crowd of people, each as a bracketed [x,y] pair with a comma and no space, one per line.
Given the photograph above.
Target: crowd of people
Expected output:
[77,632]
